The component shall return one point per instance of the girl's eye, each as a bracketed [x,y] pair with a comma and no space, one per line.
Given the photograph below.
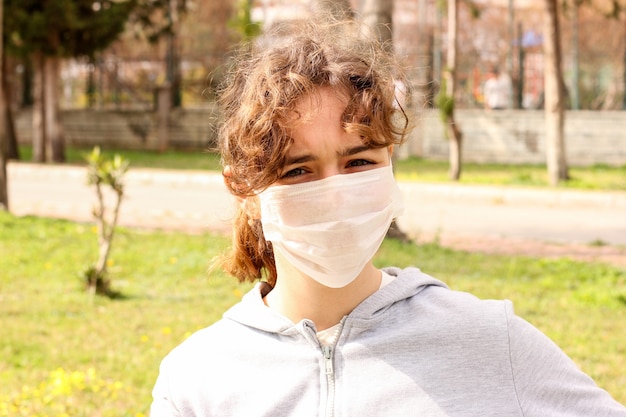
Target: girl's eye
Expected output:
[359,162]
[293,173]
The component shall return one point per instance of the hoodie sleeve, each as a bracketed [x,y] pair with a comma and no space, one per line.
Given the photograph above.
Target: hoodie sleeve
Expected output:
[162,405]
[548,382]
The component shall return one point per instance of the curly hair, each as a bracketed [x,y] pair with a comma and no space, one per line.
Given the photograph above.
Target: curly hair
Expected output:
[258,104]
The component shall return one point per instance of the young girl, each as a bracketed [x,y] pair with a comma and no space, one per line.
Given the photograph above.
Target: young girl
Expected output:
[310,123]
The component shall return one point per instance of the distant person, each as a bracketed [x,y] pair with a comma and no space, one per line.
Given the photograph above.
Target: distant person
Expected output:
[309,126]
[497,90]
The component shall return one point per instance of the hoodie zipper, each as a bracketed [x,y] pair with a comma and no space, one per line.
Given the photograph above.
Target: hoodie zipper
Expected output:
[330,379]
[328,353]
[329,368]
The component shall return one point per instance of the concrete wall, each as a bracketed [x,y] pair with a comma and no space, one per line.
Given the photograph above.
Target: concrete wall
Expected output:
[518,136]
[188,128]
[508,136]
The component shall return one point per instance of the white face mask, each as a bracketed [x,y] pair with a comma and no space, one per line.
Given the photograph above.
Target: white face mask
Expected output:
[329,229]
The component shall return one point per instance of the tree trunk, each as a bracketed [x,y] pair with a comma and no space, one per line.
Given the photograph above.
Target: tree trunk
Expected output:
[337,9]
[38,129]
[574,88]
[377,14]
[510,49]
[54,132]
[12,148]
[554,96]
[4,189]
[164,111]
[4,193]
[455,136]
[104,247]
[421,73]
[624,66]
[90,85]
[27,83]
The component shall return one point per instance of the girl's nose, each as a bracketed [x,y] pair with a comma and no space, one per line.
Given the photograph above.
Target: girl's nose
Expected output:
[329,171]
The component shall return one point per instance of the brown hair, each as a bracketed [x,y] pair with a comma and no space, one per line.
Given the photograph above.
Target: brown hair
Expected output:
[257,105]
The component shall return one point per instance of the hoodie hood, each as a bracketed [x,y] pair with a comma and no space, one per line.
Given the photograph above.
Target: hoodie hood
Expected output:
[253,312]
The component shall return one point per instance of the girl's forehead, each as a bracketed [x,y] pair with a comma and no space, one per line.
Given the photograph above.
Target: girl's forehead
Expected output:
[318,114]
[320,98]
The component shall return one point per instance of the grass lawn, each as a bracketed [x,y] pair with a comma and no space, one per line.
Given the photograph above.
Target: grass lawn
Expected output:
[63,353]
[597,177]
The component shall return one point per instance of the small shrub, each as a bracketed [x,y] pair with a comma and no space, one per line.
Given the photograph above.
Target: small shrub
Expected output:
[103,172]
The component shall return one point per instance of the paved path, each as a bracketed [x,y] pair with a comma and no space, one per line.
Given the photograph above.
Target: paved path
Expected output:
[457,215]
[176,200]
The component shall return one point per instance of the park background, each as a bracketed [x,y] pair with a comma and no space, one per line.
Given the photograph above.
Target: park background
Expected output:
[150,90]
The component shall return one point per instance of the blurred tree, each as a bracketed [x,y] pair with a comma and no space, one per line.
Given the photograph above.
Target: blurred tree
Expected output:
[49,31]
[155,20]
[242,21]
[378,15]
[614,10]
[12,149]
[447,93]
[554,88]
[4,195]
[339,9]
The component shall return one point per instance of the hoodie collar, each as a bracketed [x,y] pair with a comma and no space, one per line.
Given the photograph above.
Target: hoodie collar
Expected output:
[253,312]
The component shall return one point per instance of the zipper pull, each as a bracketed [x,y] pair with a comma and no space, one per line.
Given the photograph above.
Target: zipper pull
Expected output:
[328,359]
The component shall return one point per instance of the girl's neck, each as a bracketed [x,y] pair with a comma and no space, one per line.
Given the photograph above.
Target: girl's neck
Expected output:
[297,296]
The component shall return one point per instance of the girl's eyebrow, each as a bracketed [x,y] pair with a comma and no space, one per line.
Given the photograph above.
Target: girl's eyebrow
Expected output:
[299,159]
[355,150]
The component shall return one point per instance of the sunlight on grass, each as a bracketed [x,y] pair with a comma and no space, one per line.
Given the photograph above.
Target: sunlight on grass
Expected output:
[48,322]
[194,160]
[596,177]
[63,353]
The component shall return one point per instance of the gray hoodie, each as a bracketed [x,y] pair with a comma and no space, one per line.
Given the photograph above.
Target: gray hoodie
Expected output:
[414,348]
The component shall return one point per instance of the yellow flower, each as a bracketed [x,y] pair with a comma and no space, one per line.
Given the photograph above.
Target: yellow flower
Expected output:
[166,330]
[173,260]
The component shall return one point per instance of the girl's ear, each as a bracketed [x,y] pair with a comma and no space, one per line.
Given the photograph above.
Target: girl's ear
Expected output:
[227,175]
[390,148]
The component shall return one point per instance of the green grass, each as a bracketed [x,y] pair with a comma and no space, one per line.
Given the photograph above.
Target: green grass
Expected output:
[64,352]
[596,177]
[48,322]
[194,160]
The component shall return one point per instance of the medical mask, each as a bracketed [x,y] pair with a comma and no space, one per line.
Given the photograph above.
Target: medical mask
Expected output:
[329,229]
